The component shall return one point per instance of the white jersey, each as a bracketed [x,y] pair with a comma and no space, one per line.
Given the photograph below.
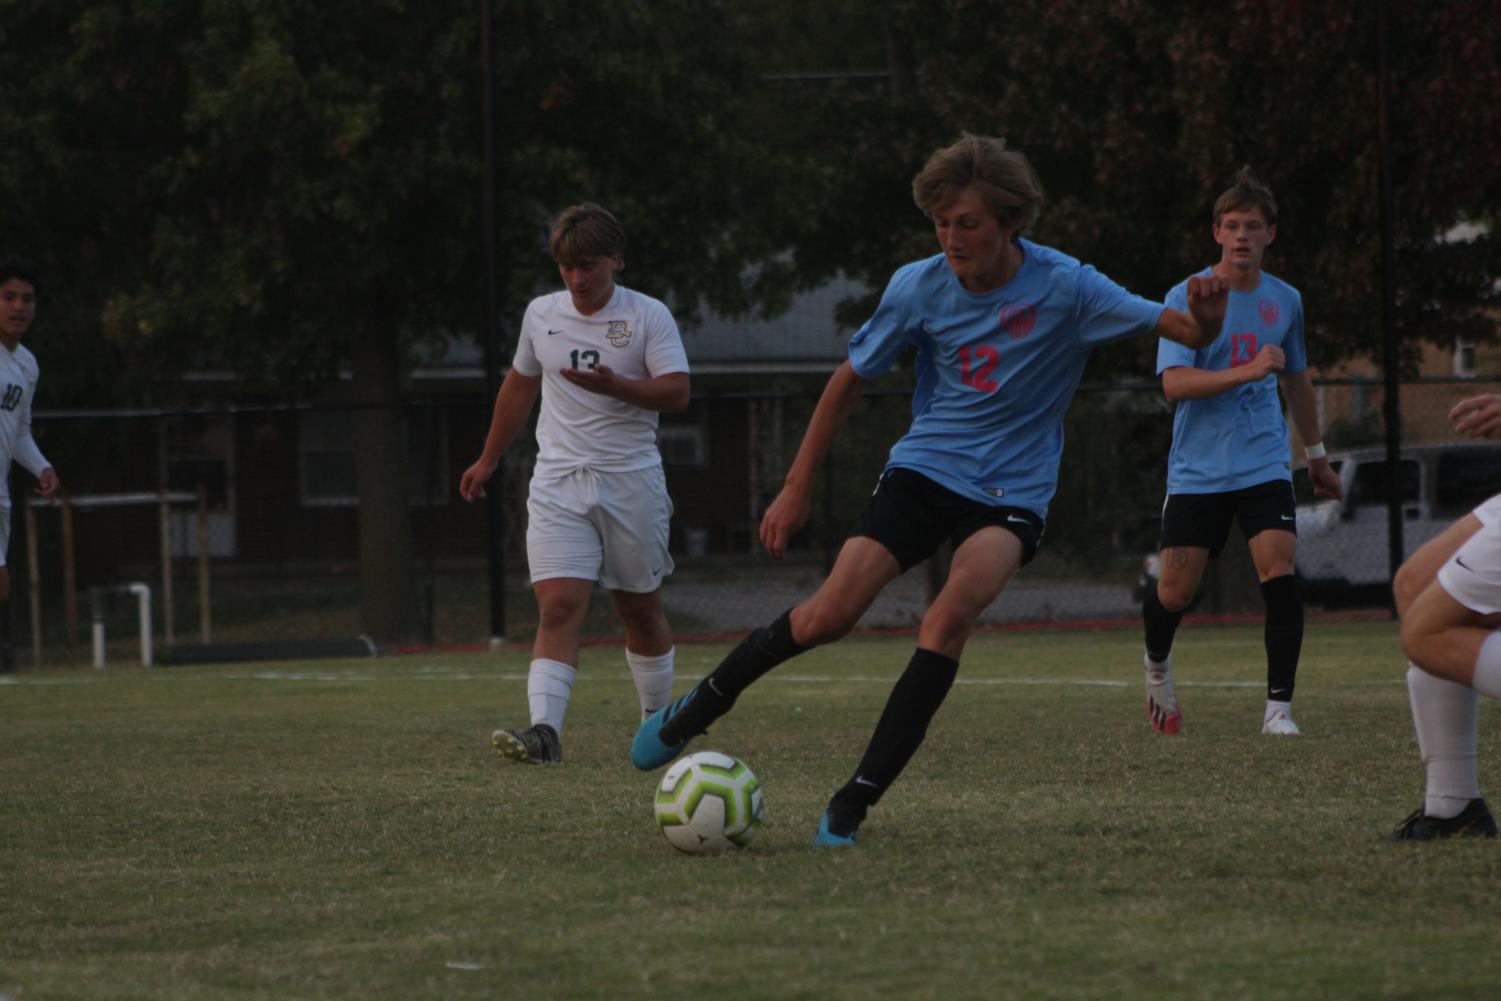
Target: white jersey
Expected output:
[18,378]
[637,338]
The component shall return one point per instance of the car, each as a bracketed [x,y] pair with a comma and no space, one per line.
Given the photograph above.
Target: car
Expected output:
[1342,544]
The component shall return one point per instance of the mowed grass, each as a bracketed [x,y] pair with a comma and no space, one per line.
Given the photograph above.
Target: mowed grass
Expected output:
[342,830]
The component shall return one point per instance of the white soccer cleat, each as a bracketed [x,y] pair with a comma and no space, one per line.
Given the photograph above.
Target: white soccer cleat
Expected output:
[1162,701]
[1280,724]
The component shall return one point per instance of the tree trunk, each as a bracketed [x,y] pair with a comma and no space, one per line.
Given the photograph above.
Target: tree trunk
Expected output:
[388,592]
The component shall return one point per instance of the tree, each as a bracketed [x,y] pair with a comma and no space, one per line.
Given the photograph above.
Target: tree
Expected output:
[301,185]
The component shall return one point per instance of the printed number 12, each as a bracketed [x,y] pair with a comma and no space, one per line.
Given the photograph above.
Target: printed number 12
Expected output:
[976,366]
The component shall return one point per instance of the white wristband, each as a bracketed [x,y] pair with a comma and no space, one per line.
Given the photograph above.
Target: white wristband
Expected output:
[1315,451]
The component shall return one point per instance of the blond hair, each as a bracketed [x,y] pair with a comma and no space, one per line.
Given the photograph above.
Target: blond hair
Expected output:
[1004,179]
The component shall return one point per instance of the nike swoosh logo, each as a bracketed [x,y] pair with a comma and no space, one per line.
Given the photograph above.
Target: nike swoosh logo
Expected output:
[1287,517]
[551,332]
[866,782]
[1019,521]
[1463,563]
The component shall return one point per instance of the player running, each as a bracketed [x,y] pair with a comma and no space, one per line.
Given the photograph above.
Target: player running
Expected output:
[1002,327]
[605,360]
[1229,458]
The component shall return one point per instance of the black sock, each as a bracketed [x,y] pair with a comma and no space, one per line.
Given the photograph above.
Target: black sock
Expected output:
[1284,635]
[757,654]
[904,722]
[1161,624]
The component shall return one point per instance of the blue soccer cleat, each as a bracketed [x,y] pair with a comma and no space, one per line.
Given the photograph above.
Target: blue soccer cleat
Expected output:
[649,749]
[826,838]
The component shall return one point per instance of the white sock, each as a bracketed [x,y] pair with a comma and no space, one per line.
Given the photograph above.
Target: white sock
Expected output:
[1488,667]
[1274,707]
[653,677]
[1157,670]
[1445,716]
[548,685]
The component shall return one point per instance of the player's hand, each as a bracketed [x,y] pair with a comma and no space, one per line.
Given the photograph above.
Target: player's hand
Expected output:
[1477,417]
[48,483]
[601,379]
[472,483]
[785,516]
[1208,296]
[1269,359]
[1325,480]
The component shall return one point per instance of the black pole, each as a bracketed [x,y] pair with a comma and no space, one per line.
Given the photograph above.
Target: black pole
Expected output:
[1392,410]
[494,515]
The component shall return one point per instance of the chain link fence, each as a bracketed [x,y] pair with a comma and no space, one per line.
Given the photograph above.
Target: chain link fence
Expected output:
[243,522]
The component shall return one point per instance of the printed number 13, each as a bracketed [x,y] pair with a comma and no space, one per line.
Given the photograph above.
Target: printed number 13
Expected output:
[977,365]
[1242,349]
[589,358]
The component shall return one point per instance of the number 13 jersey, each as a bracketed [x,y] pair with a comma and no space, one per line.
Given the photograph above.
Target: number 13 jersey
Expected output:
[635,337]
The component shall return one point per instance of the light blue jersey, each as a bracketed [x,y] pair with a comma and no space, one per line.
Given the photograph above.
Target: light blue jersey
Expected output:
[1237,438]
[995,371]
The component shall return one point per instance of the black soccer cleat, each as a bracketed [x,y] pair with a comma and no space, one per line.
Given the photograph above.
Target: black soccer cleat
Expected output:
[536,745]
[1474,821]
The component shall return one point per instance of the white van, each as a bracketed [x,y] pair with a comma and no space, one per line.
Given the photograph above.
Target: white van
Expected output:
[1343,544]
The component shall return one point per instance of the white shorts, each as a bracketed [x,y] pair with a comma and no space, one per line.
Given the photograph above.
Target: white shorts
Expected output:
[609,527]
[1473,574]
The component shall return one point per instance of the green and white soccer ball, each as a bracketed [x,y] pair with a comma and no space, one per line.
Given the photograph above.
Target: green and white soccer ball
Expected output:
[709,802]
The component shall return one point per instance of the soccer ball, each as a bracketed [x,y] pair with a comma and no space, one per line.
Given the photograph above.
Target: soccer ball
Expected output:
[709,802]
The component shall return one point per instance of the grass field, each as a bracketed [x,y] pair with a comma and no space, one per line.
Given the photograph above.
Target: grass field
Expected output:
[342,830]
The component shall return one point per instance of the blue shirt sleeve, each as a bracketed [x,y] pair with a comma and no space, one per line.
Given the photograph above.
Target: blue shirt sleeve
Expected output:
[1171,354]
[1297,354]
[1108,312]
[887,335]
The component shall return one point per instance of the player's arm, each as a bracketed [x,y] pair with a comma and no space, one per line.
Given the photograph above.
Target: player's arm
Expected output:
[1184,382]
[790,509]
[1303,406]
[29,454]
[1197,328]
[513,404]
[1478,416]
[663,393]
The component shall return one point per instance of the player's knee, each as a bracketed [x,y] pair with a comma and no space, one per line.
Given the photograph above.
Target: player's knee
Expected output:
[822,624]
[1418,640]
[948,624]
[1172,597]
[1405,587]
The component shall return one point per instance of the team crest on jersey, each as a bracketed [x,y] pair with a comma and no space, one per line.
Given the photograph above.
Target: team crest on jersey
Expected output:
[1018,321]
[618,333]
[1269,311]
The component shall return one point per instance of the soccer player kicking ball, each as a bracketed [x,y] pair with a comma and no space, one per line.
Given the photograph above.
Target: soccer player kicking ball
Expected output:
[1448,595]
[19,373]
[1002,328]
[1229,458]
[605,360]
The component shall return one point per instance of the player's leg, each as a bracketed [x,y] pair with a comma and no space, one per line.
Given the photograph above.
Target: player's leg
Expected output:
[1449,634]
[1194,527]
[861,570]
[904,521]
[982,566]
[1268,520]
[648,647]
[633,514]
[563,554]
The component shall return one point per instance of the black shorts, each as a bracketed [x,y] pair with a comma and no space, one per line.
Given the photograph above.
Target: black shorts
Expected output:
[911,515]
[1203,520]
